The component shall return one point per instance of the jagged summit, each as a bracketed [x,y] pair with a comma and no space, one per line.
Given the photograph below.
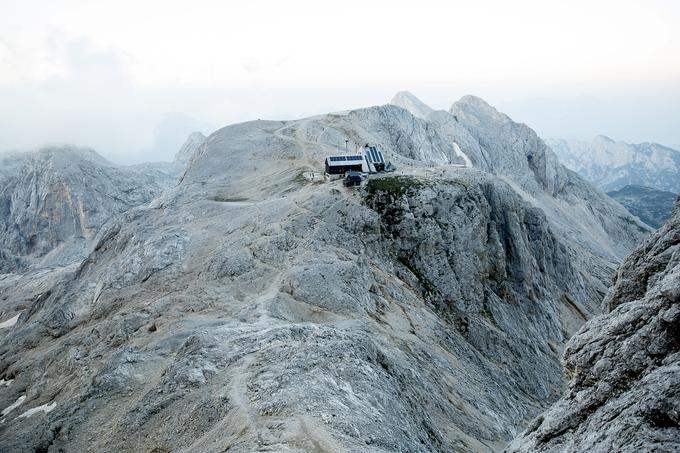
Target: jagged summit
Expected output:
[59,155]
[471,99]
[612,165]
[408,101]
[476,106]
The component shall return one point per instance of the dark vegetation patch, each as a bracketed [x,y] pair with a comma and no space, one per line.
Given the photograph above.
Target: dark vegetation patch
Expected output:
[395,185]
[223,199]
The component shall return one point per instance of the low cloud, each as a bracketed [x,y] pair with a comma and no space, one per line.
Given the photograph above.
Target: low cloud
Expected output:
[90,101]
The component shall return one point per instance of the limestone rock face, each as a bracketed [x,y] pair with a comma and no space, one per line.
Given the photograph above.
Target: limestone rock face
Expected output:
[306,320]
[250,307]
[624,392]
[53,202]
[511,148]
[494,143]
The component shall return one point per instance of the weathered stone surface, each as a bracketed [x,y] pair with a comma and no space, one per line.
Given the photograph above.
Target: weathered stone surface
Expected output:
[624,392]
[53,202]
[496,144]
[249,308]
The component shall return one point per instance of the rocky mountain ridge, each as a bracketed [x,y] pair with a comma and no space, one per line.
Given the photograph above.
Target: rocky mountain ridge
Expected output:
[193,142]
[611,165]
[54,201]
[494,143]
[252,307]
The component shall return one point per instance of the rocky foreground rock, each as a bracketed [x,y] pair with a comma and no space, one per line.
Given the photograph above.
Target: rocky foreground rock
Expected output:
[624,366]
[251,307]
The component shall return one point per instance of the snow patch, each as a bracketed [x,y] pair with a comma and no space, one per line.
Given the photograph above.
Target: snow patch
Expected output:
[4,383]
[46,408]
[10,322]
[16,404]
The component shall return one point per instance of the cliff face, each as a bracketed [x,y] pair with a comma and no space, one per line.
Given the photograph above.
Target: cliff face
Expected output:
[53,202]
[624,391]
[491,268]
[495,144]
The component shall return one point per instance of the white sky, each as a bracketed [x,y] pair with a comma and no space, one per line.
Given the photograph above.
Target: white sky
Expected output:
[132,78]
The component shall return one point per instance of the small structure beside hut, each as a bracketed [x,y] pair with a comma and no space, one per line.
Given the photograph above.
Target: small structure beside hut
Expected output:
[374,159]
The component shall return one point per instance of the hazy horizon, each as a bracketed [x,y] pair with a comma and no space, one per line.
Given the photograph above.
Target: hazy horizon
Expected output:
[131,80]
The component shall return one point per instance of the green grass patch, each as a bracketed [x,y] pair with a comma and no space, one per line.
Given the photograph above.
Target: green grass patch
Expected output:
[397,185]
[300,178]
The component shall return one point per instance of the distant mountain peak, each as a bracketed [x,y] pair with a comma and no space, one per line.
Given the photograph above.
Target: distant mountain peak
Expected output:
[415,106]
[603,138]
[474,100]
[612,164]
[478,107]
[191,144]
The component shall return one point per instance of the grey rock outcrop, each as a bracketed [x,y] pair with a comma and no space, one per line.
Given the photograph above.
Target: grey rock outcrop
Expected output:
[493,143]
[624,392]
[53,202]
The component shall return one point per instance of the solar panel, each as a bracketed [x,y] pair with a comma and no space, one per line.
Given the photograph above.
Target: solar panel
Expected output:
[382,159]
